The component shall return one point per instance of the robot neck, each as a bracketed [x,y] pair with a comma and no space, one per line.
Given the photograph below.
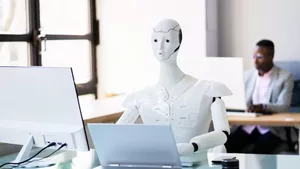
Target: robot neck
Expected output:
[170,74]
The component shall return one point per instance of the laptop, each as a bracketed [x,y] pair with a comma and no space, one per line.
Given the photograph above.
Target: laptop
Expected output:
[242,111]
[135,146]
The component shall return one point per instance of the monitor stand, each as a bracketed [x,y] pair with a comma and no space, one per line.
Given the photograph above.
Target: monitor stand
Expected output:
[25,151]
[24,154]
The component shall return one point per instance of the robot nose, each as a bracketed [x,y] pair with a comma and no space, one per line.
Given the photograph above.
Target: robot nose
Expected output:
[160,53]
[161,46]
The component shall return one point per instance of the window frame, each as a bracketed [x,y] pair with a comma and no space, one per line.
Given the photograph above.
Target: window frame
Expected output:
[35,40]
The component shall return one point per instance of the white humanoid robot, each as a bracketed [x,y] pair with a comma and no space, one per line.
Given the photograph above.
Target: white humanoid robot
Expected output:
[184,102]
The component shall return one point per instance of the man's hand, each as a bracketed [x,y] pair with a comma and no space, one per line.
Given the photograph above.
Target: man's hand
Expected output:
[259,108]
[185,148]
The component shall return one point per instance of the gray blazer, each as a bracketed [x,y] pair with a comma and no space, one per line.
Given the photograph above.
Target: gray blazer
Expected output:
[279,93]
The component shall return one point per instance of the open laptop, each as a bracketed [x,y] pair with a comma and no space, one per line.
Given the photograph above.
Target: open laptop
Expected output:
[135,146]
[241,109]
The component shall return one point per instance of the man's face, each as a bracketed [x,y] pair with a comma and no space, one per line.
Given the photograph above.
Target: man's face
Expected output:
[164,44]
[262,58]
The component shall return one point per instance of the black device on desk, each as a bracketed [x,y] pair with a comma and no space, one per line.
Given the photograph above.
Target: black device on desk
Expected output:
[227,162]
[219,160]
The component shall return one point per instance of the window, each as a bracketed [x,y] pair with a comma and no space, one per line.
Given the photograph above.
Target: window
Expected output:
[51,33]
[14,34]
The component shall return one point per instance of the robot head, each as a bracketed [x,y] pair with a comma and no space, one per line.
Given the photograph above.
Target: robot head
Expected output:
[166,39]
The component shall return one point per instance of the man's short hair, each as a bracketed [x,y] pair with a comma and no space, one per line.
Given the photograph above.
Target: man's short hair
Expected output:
[267,44]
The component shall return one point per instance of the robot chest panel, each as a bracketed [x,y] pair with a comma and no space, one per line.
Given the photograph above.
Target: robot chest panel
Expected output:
[186,114]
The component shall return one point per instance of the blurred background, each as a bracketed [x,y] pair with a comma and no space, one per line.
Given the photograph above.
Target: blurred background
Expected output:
[107,42]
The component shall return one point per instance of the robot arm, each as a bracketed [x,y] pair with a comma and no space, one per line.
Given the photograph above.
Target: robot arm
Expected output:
[129,116]
[221,126]
[131,113]
[219,117]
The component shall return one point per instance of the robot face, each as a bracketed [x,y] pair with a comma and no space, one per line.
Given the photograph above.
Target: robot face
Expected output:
[166,39]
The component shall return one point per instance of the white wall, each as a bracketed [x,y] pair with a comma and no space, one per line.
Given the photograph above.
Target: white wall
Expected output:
[125,58]
[244,22]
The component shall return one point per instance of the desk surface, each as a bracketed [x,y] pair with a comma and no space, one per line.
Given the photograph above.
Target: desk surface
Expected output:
[89,160]
[280,119]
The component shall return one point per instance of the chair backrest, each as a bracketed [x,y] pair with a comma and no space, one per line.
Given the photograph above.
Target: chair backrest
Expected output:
[294,68]
[291,66]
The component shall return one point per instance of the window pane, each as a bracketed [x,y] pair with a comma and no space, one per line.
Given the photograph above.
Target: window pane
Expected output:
[13,16]
[75,54]
[65,16]
[14,54]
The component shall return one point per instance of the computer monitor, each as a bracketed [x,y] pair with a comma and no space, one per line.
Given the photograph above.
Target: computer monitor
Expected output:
[226,70]
[39,105]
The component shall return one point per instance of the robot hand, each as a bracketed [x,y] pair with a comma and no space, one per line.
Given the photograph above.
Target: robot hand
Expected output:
[185,148]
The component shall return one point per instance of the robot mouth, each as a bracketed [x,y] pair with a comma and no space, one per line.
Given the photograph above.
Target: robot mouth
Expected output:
[160,53]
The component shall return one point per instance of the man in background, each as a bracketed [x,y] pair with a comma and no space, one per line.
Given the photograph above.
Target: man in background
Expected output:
[268,90]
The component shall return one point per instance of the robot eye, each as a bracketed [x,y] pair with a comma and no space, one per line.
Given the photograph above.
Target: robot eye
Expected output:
[155,40]
[167,40]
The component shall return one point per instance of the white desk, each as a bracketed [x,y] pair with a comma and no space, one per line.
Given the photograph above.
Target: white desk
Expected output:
[89,160]
[252,161]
